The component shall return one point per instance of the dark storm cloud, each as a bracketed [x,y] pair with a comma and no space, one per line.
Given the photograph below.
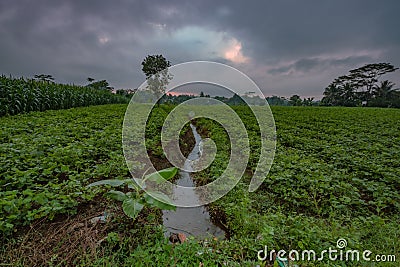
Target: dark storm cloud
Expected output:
[310,64]
[72,40]
[276,42]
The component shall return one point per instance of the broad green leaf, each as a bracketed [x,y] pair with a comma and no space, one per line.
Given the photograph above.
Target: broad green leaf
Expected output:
[132,207]
[117,195]
[133,183]
[113,182]
[159,176]
[159,200]
[136,184]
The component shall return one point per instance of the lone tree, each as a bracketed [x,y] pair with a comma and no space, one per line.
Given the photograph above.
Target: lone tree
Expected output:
[44,78]
[349,90]
[99,85]
[367,76]
[155,67]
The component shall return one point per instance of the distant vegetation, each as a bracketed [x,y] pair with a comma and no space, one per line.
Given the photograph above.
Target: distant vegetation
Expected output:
[237,100]
[21,95]
[294,100]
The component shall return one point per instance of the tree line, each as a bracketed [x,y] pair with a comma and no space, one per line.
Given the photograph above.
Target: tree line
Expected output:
[363,87]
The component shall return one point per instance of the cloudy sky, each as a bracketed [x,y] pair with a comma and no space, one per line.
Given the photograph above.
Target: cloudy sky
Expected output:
[286,47]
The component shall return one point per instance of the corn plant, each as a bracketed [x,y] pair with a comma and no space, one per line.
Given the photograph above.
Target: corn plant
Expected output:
[25,95]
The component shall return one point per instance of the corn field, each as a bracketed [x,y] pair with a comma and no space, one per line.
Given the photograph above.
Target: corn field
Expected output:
[20,95]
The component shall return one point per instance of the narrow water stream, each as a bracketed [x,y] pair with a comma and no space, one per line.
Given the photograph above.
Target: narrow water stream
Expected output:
[194,221]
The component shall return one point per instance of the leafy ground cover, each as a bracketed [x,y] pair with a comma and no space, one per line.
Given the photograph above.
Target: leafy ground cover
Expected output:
[335,175]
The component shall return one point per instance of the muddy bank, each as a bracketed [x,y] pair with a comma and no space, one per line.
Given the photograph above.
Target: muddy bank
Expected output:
[186,145]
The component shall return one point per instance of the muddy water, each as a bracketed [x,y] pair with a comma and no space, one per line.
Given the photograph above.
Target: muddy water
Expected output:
[194,221]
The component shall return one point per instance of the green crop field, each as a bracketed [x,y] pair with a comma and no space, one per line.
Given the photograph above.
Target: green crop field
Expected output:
[336,174]
[25,95]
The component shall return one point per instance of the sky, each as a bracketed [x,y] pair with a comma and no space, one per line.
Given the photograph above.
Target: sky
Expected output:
[286,46]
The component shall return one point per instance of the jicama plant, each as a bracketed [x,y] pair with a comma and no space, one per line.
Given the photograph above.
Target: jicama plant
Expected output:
[25,95]
[134,201]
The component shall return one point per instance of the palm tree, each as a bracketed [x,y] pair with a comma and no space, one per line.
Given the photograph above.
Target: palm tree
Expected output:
[385,95]
[348,96]
[385,90]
